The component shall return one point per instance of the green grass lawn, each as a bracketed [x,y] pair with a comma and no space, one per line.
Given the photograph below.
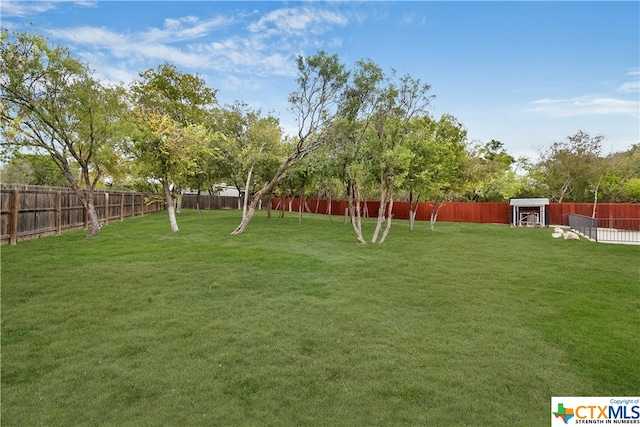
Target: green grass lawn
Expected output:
[292,324]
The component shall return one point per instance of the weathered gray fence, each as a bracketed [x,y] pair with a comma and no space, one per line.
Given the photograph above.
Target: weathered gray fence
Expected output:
[208,201]
[33,211]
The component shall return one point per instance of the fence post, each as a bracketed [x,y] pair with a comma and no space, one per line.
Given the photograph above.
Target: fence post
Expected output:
[58,213]
[106,208]
[122,207]
[13,233]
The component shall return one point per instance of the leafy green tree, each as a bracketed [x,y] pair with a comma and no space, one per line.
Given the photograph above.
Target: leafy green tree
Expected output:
[170,108]
[389,140]
[570,168]
[326,178]
[489,173]
[632,189]
[347,135]
[33,169]
[50,104]
[436,168]
[251,142]
[320,81]
[620,177]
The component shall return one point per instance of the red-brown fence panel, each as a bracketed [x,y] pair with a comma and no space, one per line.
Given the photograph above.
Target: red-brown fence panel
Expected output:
[480,212]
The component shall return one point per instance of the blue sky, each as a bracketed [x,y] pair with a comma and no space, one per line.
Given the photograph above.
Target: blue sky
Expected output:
[525,73]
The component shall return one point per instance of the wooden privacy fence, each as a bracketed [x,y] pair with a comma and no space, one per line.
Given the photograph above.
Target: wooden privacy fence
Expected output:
[33,211]
[559,212]
[209,201]
[480,212]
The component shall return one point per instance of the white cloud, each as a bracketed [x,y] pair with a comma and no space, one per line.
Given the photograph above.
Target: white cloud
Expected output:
[185,28]
[411,18]
[15,8]
[630,87]
[297,22]
[92,36]
[634,85]
[12,8]
[86,3]
[587,105]
[267,46]
[163,53]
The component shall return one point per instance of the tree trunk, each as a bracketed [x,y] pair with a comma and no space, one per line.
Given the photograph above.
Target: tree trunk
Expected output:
[301,205]
[389,216]
[353,209]
[86,197]
[93,215]
[595,197]
[565,188]
[268,187]
[170,206]
[357,220]
[198,204]
[179,202]
[413,209]
[381,210]
[246,192]
[434,213]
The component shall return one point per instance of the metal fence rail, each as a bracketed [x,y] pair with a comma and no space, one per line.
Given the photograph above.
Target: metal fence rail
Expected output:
[584,225]
[623,230]
[619,230]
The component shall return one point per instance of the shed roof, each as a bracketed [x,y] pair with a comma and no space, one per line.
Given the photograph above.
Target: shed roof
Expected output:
[529,202]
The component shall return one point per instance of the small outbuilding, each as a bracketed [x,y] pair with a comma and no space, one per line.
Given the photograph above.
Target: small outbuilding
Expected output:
[529,212]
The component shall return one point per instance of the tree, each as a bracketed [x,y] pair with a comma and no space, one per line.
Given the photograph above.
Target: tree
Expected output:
[570,167]
[251,141]
[436,168]
[320,80]
[51,104]
[168,152]
[326,174]
[621,176]
[17,171]
[389,140]
[347,134]
[297,180]
[170,108]
[489,173]
[33,169]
